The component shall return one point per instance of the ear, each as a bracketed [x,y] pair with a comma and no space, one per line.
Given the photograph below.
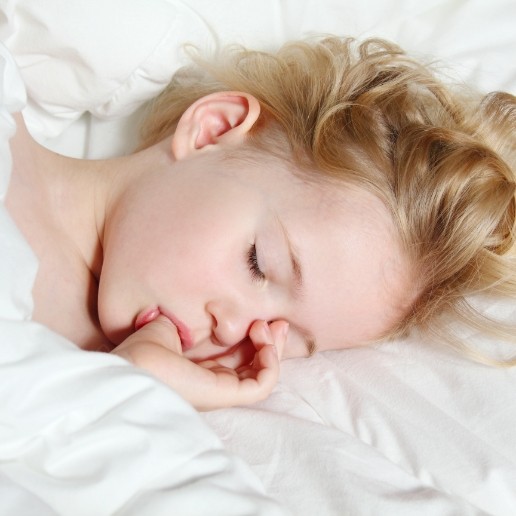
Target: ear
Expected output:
[216,119]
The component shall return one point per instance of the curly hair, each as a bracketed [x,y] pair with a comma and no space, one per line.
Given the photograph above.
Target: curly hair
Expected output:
[441,157]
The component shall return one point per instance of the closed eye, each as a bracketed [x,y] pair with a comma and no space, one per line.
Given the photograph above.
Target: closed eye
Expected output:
[252,262]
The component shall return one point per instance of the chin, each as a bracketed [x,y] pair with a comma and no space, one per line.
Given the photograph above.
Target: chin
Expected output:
[115,331]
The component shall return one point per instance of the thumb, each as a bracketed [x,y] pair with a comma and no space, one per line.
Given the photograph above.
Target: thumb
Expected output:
[159,331]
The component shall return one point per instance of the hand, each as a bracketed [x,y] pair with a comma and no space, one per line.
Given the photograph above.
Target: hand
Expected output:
[208,385]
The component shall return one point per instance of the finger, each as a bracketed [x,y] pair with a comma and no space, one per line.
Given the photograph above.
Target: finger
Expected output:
[267,367]
[160,331]
[279,330]
[261,333]
[240,355]
[247,385]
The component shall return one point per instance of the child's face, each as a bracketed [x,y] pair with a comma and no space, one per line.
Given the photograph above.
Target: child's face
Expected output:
[217,245]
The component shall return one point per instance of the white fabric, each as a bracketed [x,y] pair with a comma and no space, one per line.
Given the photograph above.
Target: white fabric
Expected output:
[401,429]
[109,56]
[85,433]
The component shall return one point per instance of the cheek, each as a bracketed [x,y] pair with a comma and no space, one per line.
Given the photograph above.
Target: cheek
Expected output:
[134,269]
[295,347]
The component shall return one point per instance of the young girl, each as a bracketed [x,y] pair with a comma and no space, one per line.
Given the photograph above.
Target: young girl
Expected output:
[327,196]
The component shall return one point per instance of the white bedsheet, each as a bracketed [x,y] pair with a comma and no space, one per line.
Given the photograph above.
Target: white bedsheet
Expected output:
[400,429]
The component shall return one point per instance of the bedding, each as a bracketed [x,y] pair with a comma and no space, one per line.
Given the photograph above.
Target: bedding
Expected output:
[401,428]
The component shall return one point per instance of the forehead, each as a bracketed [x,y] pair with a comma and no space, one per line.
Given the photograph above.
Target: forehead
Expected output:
[355,272]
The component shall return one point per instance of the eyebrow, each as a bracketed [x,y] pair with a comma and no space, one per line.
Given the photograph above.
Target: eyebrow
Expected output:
[309,339]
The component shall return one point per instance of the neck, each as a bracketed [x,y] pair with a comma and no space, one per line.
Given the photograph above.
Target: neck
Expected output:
[73,196]
[64,195]
[61,205]
[75,192]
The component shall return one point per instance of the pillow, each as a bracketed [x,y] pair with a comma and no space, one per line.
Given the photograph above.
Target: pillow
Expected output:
[105,57]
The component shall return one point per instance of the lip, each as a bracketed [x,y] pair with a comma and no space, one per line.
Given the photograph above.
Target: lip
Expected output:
[183,331]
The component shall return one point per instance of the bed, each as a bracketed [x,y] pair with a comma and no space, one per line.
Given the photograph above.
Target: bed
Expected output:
[402,428]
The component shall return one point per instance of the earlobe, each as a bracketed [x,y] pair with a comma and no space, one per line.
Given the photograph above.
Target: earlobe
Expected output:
[218,119]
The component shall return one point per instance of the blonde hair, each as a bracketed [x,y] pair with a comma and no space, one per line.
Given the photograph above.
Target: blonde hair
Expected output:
[442,160]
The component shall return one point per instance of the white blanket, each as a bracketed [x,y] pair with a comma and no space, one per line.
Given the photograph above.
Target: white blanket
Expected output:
[399,429]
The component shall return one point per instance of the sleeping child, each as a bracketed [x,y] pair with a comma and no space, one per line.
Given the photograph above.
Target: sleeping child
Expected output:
[332,194]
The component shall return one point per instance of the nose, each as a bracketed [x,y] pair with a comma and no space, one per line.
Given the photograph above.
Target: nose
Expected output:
[230,321]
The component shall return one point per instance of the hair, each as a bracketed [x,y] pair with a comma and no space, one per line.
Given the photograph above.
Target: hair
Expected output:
[441,157]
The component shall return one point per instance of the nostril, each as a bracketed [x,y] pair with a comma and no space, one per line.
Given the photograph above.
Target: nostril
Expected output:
[214,328]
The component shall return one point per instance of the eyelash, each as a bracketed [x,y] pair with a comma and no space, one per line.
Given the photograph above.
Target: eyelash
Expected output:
[252,262]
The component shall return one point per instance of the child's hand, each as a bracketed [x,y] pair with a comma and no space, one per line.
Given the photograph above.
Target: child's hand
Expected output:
[208,385]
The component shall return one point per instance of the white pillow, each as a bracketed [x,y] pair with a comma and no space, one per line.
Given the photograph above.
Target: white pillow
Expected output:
[102,56]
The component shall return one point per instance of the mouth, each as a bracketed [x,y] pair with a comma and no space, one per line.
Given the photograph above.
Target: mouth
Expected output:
[147,316]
